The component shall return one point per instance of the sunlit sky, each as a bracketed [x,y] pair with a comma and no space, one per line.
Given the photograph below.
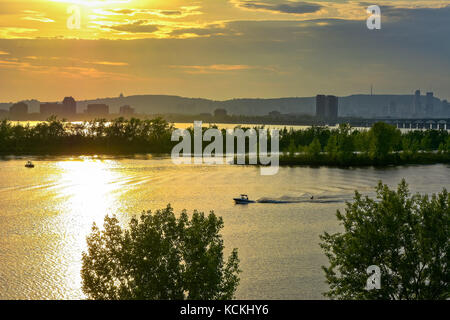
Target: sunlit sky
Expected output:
[221,49]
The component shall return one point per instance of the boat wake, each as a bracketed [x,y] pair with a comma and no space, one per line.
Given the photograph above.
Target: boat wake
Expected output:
[307,199]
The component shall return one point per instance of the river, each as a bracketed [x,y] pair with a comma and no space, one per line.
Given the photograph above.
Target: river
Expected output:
[47,212]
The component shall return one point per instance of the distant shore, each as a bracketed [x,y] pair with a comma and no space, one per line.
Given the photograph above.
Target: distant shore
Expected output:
[381,145]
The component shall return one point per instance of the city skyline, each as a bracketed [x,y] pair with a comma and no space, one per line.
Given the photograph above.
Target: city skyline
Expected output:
[221,50]
[326,107]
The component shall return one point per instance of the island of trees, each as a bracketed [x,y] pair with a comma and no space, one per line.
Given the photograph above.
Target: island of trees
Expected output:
[383,144]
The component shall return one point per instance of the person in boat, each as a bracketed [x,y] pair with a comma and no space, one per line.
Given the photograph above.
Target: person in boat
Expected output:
[29,164]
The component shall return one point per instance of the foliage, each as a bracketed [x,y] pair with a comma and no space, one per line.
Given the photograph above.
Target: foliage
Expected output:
[407,237]
[383,144]
[160,257]
[384,138]
[97,136]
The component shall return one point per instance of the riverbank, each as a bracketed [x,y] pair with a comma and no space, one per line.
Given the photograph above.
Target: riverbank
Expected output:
[364,160]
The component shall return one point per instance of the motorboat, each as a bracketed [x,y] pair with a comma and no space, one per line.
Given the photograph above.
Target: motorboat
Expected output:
[29,165]
[243,200]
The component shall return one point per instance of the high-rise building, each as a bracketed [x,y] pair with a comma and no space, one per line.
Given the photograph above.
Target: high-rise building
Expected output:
[18,110]
[51,109]
[69,106]
[429,104]
[332,108]
[327,107]
[417,105]
[97,109]
[321,103]
[126,110]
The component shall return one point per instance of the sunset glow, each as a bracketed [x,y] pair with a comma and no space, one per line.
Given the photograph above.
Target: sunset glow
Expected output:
[175,47]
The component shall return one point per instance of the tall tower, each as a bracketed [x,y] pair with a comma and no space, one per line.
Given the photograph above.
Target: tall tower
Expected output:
[321,103]
[69,106]
[417,107]
[332,107]
[429,105]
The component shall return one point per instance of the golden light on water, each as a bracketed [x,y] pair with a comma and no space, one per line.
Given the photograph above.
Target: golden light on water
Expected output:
[88,186]
[86,190]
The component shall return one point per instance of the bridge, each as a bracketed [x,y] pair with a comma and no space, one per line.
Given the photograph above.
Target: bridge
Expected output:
[425,123]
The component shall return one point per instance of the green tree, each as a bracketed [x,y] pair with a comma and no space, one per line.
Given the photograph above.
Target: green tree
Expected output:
[332,148]
[406,236]
[448,145]
[384,138]
[314,148]
[292,149]
[345,143]
[159,257]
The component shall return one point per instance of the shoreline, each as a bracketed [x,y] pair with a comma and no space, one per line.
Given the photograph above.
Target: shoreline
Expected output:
[425,158]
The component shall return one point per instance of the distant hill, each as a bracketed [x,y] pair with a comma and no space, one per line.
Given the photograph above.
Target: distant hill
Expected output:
[354,105]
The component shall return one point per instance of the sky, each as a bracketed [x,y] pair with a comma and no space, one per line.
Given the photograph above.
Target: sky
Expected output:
[220,49]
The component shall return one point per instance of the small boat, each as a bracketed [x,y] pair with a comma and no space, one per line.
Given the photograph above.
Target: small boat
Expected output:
[29,165]
[243,200]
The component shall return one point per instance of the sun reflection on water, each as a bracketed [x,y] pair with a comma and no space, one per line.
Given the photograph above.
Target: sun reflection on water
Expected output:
[88,189]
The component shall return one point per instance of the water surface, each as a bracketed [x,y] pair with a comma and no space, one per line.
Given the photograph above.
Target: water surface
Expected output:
[47,212]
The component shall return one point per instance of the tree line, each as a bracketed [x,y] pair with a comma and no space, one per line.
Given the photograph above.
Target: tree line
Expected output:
[383,144]
[97,136]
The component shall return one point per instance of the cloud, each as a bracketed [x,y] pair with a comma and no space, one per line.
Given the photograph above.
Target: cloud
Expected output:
[4,53]
[109,63]
[138,26]
[17,33]
[287,7]
[161,13]
[215,68]
[203,31]
[36,16]
[65,71]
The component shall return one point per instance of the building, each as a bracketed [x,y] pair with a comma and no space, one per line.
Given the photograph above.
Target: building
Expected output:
[392,111]
[18,110]
[327,107]
[417,105]
[445,108]
[69,106]
[126,111]
[97,109]
[332,109]
[321,103]
[50,109]
[429,104]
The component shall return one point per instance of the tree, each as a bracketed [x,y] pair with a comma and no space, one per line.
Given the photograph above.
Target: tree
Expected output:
[314,148]
[160,257]
[332,148]
[345,142]
[292,149]
[384,137]
[406,236]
